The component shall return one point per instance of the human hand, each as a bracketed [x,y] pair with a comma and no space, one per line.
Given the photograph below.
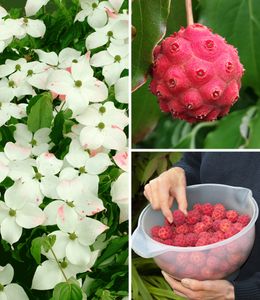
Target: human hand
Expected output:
[162,191]
[202,290]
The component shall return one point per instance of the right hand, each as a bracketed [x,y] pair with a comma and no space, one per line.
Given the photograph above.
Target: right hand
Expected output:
[162,191]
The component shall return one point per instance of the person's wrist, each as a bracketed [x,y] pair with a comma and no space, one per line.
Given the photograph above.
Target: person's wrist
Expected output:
[230,292]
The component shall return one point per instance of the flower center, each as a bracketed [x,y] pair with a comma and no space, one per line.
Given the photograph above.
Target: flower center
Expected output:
[18,67]
[75,61]
[12,213]
[11,84]
[82,170]
[101,125]
[73,236]
[117,58]
[110,33]
[29,72]
[38,176]
[33,142]
[78,83]
[102,109]
[25,20]
[70,203]
[94,5]
[1,287]
[63,264]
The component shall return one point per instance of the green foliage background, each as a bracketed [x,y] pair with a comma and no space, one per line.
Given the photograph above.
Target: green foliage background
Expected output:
[239,22]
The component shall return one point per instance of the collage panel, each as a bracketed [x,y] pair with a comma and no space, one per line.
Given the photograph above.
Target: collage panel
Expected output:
[195,74]
[64,94]
[195,228]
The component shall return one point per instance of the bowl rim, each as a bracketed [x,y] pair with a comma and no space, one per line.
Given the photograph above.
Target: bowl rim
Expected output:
[205,247]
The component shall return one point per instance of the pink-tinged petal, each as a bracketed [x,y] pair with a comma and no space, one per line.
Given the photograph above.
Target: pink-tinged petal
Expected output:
[122,90]
[60,82]
[66,57]
[51,212]
[10,230]
[121,159]
[97,91]
[16,152]
[88,230]
[59,247]
[119,194]
[15,291]
[48,164]
[98,19]
[50,58]
[116,4]
[70,190]
[115,117]
[67,218]
[111,14]
[77,254]
[6,274]
[98,164]
[114,138]
[48,186]
[30,216]
[91,137]
[89,205]
[47,275]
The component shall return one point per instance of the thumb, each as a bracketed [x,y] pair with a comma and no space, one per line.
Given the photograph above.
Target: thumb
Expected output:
[192,284]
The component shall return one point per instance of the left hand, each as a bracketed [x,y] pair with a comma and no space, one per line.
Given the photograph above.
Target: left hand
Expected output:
[202,290]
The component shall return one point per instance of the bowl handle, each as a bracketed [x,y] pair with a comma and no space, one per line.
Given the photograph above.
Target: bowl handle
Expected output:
[142,246]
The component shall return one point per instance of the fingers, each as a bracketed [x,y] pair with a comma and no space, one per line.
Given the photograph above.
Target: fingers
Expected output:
[195,285]
[181,198]
[176,285]
[165,200]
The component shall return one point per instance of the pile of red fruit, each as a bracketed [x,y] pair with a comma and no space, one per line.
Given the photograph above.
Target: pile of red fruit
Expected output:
[203,225]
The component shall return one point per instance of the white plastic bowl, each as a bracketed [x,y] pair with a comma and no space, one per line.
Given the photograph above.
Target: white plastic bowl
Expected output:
[213,261]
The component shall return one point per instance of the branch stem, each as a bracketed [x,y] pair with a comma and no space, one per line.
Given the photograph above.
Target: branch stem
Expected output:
[60,267]
[189,13]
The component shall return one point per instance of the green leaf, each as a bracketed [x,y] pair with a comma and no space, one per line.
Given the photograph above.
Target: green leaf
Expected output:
[58,127]
[254,125]
[67,291]
[36,249]
[48,242]
[145,113]
[162,165]
[239,22]
[150,169]
[227,134]
[149,21]
[41,114]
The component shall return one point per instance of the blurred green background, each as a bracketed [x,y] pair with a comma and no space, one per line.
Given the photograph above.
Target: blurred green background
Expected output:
[7,4]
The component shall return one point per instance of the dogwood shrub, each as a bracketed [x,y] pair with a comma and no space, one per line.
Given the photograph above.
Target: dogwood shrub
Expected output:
[63,150]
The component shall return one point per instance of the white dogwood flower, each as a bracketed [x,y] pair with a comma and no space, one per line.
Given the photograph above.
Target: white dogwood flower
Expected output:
[122,90]
[11,66]
[8,290]
[79,86]
[113,60]
[121,159]
[17,213]
[32,6]
[37,142]
[116,4]
[119,194]
[94,11]
[104,126]
[8,110]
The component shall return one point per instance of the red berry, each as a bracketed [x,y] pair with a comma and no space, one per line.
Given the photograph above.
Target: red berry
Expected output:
[238,226]
[206,235]
[212,240]
[193,217]
[157,239]
[165,232]
[202,242]
[230,232]
[218,214]
[168,242]
[178,217]
[197,258]
[243,219]
[199,227]
[215,225]
[219,235]
[155,230]
[184,228]
[232,215]
[180,240]
[207,209]
[207,220]
[191,239]
[219,206]
[225,225]
[197,207]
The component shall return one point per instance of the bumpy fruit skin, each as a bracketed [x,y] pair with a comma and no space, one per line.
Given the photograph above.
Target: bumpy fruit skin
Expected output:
[196,74]
[178,217]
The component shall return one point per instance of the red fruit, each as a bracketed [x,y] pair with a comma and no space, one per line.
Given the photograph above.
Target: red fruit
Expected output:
[155,230]
[168,242]
[199,227]
[180,240]
[196,74]
[206,235]
[219,235]
[232,215]
[191,239]
[225,225]
[165,232]
[230,232]
[218,214]
[178,217]
[184,228]
[243,219]
[219,206]
[191,228]
[213,240]
[197,258]
[181,259]
[207,220]
[193,217]
[202,242]
[238,226]
[197,207]
[207,209]
[157,239]
[215,225]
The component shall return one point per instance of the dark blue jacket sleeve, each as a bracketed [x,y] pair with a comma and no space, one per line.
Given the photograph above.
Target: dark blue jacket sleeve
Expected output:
[190,162]
[247,289]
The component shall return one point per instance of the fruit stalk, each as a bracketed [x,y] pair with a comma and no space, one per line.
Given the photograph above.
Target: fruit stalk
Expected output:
[189,13]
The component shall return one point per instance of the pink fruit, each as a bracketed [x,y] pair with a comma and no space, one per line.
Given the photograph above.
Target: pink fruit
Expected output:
[232,215]
[196,74]
[191,239]
[199,227]
[218,214]
[225,225]
[207,209]
[178,217]
[193,217]
[207,220]
[155,230]
[184,228]
[165,232]
[243,219]
[180,240]
[197,258]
